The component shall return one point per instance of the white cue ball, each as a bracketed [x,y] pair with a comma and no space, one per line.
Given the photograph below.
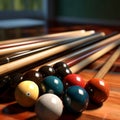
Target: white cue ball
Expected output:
[49,107]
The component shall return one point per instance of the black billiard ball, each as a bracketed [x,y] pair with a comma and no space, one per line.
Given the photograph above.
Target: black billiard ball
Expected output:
[62,72]
[4,84]
[15,79]
[46,70]
[33,75]
[60,64]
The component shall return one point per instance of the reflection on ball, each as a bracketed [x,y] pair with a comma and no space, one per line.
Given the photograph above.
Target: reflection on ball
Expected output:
[49,107]
[26,93]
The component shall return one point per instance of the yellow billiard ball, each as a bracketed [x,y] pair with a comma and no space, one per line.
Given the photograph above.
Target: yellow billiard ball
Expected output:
[26,93]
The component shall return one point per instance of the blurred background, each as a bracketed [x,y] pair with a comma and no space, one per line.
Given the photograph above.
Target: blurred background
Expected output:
[26,18]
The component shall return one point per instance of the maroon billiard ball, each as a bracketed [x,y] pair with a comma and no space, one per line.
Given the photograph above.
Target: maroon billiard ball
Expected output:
[98,90]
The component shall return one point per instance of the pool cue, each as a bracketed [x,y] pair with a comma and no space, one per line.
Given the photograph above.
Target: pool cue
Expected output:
[106,67]
[45,54]
[80,33]
[39,56]
[46,43]
[18,55]
[55,38]
[40,37]
[76,68]
[13,57]
[83,51]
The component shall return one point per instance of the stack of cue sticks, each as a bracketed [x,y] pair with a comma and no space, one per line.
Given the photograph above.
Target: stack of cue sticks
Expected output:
[17,55]
[114,41]
[73,35]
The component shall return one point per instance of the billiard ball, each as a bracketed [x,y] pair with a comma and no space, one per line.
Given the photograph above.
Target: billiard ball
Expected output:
[26,93]
[60,64]
[15,79]
[46,70]
[4,83]
[53,84]
[33,75]
[48,107]
[75,99]
[61,72]
[98,90]
[73,79]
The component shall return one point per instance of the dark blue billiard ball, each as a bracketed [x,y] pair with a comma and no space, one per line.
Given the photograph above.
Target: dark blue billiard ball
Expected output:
[75,99]
[52,84]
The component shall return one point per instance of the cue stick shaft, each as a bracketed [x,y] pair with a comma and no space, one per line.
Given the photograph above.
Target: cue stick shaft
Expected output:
[41,37]
[46,43]
[82,33]
[76,68]
[85,50]
[14,56]
[106,67]
[19,55]
[38,56]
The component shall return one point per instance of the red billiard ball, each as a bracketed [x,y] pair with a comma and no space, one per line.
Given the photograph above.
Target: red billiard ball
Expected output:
[73,79]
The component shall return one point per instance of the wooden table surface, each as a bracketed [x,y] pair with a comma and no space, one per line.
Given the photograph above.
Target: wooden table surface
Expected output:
[110,110]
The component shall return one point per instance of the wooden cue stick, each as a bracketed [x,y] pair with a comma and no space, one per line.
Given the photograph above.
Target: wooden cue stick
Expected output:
[16,56]
[106,67]
[76,68]
[46,43]
[66,58]
[81,33]
[40,37]
[83,51]
[19,55]
[38,56]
